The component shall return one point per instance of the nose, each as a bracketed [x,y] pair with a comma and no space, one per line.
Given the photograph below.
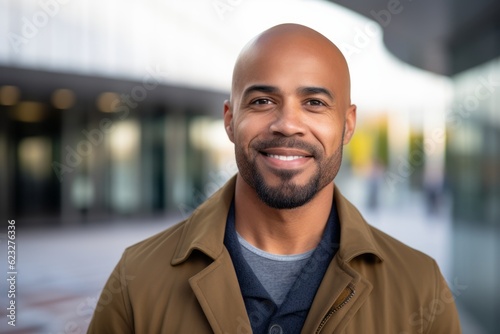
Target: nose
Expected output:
[289,121]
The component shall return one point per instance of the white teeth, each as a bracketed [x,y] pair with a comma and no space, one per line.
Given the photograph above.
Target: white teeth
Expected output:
[285,157]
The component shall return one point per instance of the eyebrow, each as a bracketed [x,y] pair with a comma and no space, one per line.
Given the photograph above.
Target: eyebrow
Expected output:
[260,88]
[315,90]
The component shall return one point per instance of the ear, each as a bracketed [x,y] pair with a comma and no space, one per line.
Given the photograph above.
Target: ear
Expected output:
[350,123]
[228,120]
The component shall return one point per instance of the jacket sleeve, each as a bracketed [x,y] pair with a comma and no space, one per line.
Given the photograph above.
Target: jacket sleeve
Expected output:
[113,312]
[443,317]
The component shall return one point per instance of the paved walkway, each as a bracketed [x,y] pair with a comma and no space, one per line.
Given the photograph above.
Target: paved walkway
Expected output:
[61,271]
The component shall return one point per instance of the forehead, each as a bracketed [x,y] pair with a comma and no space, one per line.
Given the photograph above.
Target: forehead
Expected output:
[291,63]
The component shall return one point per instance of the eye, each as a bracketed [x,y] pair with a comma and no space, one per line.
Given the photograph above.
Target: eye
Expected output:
[315,103]
[261,101]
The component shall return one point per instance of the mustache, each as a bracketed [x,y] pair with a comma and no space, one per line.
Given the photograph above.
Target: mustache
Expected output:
[287,142]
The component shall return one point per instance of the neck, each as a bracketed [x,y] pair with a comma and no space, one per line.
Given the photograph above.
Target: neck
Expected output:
[281,231]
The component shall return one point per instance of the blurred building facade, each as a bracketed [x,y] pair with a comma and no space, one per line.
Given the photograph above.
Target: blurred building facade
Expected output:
[77,148]
[473,169]
[461,39]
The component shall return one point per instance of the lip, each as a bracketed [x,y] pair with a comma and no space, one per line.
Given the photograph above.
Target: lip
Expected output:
[286,151]
[285,158]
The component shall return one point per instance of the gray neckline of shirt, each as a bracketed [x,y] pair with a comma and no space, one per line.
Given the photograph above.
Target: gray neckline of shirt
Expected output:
[273,257]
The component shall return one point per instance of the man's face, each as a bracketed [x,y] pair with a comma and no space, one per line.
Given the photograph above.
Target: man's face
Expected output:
[289,120]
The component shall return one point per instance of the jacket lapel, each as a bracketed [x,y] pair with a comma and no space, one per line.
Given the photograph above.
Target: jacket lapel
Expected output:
[218,292]
[216,286]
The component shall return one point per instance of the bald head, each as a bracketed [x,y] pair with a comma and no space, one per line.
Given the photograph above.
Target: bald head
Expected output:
[290,44]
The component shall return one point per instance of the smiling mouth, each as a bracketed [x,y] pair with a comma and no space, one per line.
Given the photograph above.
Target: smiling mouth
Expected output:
[278,159]
[285,157]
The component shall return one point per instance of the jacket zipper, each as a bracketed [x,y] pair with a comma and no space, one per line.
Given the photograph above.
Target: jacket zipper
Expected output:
[336,308]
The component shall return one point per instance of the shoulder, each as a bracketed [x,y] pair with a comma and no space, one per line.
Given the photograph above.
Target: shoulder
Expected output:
[413,273]
[147,267]
[160,246]
[400,265]
[361,240]
[419,282]
[395,252]
[202,232]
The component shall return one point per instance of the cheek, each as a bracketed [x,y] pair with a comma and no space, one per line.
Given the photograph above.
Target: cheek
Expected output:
[245,130]
[329,136]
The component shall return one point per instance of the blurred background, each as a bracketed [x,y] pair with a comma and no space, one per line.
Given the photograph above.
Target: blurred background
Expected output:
[111,130]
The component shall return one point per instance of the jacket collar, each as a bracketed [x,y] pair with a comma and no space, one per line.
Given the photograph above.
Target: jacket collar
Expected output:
[204,230]
[356,237]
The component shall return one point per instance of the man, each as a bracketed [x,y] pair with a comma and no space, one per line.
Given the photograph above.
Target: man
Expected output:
[278,249]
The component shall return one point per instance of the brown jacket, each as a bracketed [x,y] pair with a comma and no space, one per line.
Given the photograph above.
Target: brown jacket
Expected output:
[182,280]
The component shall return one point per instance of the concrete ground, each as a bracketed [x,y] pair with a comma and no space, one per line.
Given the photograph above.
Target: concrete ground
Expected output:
[61,271]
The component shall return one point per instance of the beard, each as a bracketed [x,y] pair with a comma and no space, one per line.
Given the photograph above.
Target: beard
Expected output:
[288,194]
